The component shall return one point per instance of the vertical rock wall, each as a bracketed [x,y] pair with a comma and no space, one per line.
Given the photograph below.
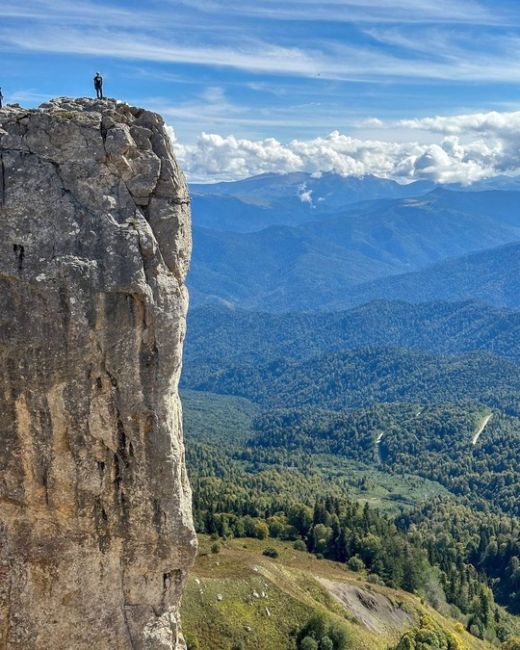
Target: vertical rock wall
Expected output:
[96,533]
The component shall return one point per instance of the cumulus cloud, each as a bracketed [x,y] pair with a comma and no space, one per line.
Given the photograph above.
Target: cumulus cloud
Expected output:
[487,123]
[469,148]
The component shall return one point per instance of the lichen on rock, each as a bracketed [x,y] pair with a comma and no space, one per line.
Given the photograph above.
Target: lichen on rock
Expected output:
[96,533]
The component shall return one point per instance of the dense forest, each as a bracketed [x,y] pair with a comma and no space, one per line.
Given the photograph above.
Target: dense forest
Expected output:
[443,551]
[219,335]
[360,378]
[285,411]
[434,441]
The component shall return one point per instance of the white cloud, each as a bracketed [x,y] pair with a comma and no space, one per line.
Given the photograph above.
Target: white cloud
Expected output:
[215,156]
[381,11]
[255,56]
[81,12]
[492,123]
[310,58]
[371,122]
[469,148]
[305,195]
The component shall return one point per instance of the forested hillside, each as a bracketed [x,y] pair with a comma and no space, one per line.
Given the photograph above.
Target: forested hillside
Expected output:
[359,378]
[289,492]
[490,277]
[321,423]
[220,335]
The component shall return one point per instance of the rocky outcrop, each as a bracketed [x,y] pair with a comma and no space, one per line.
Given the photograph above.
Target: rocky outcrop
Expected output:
[96,532]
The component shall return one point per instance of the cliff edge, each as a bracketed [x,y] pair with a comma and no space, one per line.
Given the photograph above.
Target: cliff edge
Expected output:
[96,533]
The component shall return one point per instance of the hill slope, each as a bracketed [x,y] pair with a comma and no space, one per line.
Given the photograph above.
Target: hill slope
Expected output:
[491,276]
[365,377]
[242,599]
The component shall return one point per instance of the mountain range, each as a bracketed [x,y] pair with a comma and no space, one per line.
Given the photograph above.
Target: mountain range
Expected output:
[260,247]
[289,199]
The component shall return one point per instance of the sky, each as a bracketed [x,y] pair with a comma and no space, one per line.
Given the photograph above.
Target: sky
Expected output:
[404,89]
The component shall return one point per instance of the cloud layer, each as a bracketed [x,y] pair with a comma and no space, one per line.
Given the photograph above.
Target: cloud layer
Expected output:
[468,148]
[401,39]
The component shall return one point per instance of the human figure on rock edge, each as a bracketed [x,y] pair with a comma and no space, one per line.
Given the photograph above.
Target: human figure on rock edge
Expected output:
[98,85]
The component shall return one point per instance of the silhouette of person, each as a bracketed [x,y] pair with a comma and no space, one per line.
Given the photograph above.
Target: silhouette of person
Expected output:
[98,85]
[1,98]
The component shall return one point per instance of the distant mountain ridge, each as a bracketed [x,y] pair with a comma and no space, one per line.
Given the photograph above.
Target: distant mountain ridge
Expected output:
[317,265]
[491,276]
[289,199]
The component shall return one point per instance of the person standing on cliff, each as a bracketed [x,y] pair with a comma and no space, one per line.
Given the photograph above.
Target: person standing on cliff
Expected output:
[1,98]
[98,85]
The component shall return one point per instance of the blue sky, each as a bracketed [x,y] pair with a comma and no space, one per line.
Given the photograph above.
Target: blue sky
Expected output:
[256,70]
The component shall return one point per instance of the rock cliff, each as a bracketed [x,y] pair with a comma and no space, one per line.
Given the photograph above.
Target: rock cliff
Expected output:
[96,532]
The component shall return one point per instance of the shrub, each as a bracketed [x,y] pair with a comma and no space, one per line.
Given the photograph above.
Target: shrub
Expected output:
[261,530]
[276,527]
[316,627]
[428,635]
[374,579]
[339,637]
[270,552]
[326,635]
[308,643]
[215,548]
[299,545]
[356,564]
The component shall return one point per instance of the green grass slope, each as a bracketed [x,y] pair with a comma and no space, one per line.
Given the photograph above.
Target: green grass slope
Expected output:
[241,599]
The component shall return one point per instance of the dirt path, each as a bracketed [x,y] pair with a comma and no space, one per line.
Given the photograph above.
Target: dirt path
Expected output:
[481,428]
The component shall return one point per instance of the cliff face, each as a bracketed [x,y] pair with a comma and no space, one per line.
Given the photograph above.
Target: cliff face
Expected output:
[96,533]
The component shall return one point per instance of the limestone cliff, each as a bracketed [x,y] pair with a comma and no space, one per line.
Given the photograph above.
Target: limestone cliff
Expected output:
[96,532]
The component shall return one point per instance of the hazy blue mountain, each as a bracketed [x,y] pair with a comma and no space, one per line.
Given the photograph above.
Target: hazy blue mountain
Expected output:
[277,269]
[288,199]
[339,190]
[316,265]
[218,335]
[507,183]
[491,276]
[232,214]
